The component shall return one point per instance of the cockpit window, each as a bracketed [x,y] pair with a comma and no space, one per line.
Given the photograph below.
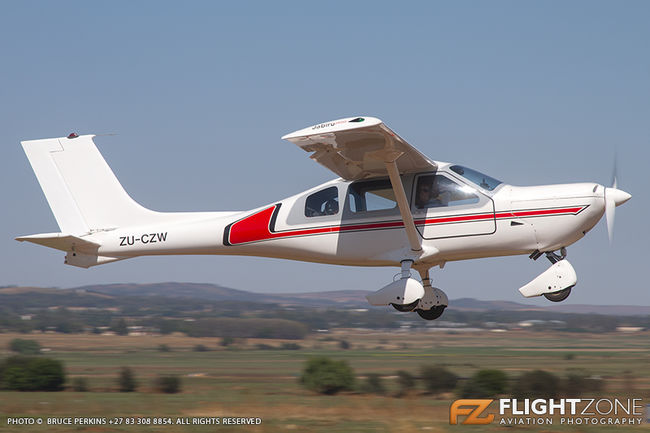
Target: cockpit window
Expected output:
[435,190]
[480,179]
[325,202]
[371,195]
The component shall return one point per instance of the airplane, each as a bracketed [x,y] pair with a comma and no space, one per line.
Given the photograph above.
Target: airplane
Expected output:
[390,206]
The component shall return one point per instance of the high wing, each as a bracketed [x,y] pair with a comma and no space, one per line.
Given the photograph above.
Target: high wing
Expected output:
[361,148]
[355,148]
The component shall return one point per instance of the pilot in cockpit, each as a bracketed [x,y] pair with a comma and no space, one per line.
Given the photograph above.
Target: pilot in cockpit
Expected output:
[431,192]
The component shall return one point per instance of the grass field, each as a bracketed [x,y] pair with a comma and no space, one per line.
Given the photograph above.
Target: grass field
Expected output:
[241,381]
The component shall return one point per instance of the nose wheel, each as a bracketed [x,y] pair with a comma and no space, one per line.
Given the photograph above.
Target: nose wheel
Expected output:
[558,296]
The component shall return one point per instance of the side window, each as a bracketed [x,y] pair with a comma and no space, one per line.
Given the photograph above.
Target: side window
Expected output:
[371,195]
[435,190]
[325,202]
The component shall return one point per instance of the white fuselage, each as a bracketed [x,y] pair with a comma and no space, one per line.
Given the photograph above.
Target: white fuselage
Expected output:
[506,221]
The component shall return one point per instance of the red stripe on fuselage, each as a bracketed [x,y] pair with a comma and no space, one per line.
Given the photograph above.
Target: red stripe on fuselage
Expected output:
[257,227]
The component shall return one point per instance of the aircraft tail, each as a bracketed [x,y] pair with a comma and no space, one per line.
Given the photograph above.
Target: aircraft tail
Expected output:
[80,187]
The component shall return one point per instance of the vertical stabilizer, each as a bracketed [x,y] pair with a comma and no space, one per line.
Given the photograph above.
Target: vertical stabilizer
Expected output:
[80,187]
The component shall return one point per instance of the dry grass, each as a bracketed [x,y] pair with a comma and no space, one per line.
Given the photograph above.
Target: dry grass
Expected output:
[262,383]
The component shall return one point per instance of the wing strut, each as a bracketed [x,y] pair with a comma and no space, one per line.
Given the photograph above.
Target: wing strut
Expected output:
[390,156]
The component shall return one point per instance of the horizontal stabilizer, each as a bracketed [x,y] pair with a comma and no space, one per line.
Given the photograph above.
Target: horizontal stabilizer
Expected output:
[60,241]
[81,253]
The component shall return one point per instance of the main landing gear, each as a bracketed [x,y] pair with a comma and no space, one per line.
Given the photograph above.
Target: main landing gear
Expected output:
[408,294]
[434,301]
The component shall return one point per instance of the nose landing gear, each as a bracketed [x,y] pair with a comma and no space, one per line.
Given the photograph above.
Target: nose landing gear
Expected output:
[560,296]
[556,282]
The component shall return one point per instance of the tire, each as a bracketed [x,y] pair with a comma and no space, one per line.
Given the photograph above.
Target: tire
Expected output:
[558,296]
[433,313]
[405,308]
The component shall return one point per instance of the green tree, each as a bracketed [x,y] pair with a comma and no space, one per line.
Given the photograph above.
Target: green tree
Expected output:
[22,373]
[578,382]
[405,383]
[25,347]
[120,327]
[373,384]
[327,376]
[485,384]
[437,379]
[80,384]
[126,380]
[169,384]
[290,346]
[227,341]
[47,374]
[536,384]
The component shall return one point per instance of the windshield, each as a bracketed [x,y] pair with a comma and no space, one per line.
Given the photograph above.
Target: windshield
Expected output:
[482,180]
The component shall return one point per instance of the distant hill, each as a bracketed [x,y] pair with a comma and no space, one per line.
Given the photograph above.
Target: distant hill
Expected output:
[208,292]
[328,299]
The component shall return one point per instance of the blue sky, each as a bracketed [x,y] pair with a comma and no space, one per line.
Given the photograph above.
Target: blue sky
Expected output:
[199,95]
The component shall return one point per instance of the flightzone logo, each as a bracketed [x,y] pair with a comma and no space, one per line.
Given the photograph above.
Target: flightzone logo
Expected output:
[563,411]
[473,416]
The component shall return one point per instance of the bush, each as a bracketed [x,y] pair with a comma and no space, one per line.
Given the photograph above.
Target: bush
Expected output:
[290,346]
[126,380]
[164,348]
[25,347]
[20,373]
[405,383]
[578,382]
[437,379]
[485,384]
[263,346]
[373,384]
[227,341]
[326,376]
[201,348]
[343,344]
[80,384]
[168,384]
[536,384]
[229,327]
[120,327]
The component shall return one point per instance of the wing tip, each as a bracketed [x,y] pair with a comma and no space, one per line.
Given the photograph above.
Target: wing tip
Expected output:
[347,123]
